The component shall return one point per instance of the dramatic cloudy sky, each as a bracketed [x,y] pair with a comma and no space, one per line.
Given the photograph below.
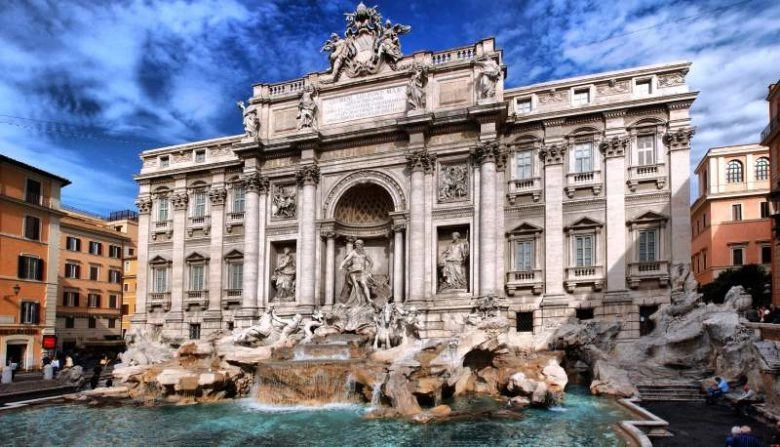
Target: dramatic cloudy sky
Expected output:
[85,85]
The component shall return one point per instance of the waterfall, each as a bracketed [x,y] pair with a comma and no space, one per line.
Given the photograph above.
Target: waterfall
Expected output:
[306,382]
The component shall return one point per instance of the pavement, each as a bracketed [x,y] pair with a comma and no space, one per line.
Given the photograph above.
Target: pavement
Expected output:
[30,385]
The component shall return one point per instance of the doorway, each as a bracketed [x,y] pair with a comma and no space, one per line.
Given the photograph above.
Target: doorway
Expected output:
[16,353]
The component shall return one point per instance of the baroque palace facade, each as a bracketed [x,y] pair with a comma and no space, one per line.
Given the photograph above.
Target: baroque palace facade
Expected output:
[421,179]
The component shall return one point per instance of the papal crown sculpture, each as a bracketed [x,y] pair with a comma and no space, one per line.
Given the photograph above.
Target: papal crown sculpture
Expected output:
[366,44]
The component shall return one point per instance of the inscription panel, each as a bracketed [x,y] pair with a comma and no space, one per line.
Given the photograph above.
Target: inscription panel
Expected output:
[384,101]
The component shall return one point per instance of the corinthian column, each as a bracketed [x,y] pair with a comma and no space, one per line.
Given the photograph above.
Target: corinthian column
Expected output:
[554,249]
[253,184]
[398,263]
[420,163]
[179,200]
[679,143]
[487,155]
[144,204]
[308,177]
[217,195]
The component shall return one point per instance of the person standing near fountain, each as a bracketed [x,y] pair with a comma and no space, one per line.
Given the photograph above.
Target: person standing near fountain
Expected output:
[358,265]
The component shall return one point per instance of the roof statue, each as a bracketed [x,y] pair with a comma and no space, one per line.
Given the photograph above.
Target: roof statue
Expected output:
[366,46]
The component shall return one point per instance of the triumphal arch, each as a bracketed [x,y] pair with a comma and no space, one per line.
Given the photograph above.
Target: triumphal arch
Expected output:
[420,179]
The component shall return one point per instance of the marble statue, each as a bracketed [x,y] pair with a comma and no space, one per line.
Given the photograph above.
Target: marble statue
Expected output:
[307,109]
[340,49]
[358,266]
[453,265]
[415,89]
[251,120]
[269,329]
[384,324]
[389,46]
[284,276]
[488,78]
[283,202]
[453,183]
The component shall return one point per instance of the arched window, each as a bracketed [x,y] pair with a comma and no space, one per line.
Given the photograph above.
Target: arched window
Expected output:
[762,168]
[734,172]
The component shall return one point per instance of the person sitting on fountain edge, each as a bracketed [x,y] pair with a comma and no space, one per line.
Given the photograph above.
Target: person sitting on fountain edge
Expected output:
[717,390]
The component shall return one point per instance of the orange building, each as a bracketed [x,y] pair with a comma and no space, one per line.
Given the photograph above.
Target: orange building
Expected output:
[29,249]
[730,220]
[89,314]
[127,222]
[770,137]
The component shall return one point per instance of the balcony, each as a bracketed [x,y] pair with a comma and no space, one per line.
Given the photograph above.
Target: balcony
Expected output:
[522,187]
[232,297]
[577,276]
[234,219]
[160,299]
[526,279]
[774,124]
[198,223]
[196,298]
[583,180]
[649,270]
[162,227]
[645,174]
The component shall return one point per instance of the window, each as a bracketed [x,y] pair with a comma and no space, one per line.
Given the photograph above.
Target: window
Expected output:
[525,165]
[645,150]
[32,228]
[764,210]
[197,279]
[30,268]
[235,275]
[766,254]
[199,204]
[525,321]
[704,220]
[92,323]
[29,312]
[523,105]
[73,243]
[114,276]
[583,251]
[160,279]
[115,251]
[165,161]
[112,323]
[737,255]
[239,198]
[70,299]
[162,209]
[94,273]
[69,323]
[126,287]
[762,168]
[704,259]
[194,331]
[583,157]
[734,172]
[584,314]
[72,271]
[648,245]
[130,252]
[93,300]
[736,212]
[644,87]
[95,248]
[230,325]
[524,255]
[33,192]
[125,309]
[581,96]
[200,156]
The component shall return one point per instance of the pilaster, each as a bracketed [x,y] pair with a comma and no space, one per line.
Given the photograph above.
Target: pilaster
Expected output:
[144,204]
[678,141]
[487,155]
[179,201]
[420,164]
[217,197]
[308,177]
[613,150]
[552,155]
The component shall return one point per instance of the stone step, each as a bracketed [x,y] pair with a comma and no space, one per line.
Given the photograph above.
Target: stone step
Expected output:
[670,392]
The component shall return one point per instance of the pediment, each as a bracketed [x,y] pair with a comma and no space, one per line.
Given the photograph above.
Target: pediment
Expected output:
[159,260]
[196,257]
[525,228]
[234,254]
[649,217]
[584,223]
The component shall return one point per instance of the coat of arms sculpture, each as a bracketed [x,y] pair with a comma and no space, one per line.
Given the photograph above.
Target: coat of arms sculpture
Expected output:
[366,46]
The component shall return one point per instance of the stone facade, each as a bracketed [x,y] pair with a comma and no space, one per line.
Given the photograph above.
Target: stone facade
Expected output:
[458,188]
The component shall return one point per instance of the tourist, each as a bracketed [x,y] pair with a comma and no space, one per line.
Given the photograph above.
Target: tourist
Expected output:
[717,390]
[745,400]
[95,376]
[55,365]
[14,366]
[735,431]
[746,438]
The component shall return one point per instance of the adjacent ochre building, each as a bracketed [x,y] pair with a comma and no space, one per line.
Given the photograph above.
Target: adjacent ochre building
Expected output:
[770,137]
[90,287]
[127,222]
[565,199]
[29,251]
[730,220]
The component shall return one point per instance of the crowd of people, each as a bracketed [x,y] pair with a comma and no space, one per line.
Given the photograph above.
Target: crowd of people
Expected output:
[764,314]
[743,437]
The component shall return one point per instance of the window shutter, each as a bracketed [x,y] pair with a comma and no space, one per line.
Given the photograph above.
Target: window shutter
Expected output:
[76,301]
[35,311]
[97,301]
[78,272]
[78,244]
[21,272]
[39,272]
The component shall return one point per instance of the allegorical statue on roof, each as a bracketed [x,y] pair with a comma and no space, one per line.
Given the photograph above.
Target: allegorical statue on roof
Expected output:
[366,45]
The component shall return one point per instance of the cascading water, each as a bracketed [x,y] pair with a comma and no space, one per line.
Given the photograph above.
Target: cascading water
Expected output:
[306,382]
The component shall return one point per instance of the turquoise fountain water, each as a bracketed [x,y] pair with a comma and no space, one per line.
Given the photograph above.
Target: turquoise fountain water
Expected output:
[583,421]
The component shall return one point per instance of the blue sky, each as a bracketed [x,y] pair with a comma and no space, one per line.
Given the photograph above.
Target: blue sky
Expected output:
[85,86]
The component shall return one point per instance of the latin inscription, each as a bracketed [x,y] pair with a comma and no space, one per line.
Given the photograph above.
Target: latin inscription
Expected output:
[364,105]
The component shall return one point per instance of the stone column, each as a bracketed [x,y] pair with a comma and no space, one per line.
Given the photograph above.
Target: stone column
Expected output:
[679,143]
[330,266]
[555,249]
[252,184]
[398,263]
[308,177]
[217,196]
[487,154]
[262,205]
[179,200]
[500,184]
[144,204]
[420,162]
[613,150]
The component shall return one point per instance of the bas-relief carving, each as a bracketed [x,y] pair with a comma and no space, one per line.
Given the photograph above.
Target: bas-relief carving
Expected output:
[367,44]
[453,182]
[283,203]
[452,265]
[614,87]
[283,278]
[181,157]
[488,78]
[251,120]
[672,79]
[552,97]
[220,150]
